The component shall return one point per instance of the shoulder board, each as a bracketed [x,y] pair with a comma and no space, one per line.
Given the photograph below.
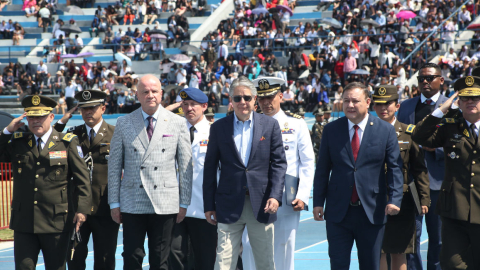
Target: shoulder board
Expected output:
[69,137]
[18,135]
[410,129]
[449,120]
[293,115]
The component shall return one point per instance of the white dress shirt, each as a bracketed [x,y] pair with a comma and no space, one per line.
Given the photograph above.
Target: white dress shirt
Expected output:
[361,129]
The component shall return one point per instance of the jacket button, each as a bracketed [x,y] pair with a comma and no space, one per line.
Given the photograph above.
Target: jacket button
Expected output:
[453,146]
[59,163]
[473,162]
[163,150]
[135,150]
[34,202]
[474,151]
[66,211]
[155,168]
[38,163]
[354,169]
[35,189]
[473,174]
[155,187]
[246,170]
[36,176]
[19,162]
[471,185]
[141,186]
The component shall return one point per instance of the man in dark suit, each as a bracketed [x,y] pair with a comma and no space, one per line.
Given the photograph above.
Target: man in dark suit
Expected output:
[411,112]
[249,148]
[354,154]
[94,136]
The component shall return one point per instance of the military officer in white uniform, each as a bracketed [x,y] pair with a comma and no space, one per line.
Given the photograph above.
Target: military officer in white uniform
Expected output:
[194,228]
[300,159]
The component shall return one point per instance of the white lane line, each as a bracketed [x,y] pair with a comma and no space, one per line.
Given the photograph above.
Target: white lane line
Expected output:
[423,242]
[6,250]
[306,219]
[311,246]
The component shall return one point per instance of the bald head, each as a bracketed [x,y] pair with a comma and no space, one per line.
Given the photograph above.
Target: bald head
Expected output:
[149,93]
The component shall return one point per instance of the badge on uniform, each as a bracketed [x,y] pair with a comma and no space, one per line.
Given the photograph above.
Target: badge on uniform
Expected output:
[79,150]
[50,145]
[57,154]
[457,136]
[204,143]
[288,131]
[30,143]
[452,155]
[465,132]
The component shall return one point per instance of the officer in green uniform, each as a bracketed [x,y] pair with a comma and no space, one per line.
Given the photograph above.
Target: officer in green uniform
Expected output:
[459,199]
[47,167]
[317,130]
[400,230]
[94,137]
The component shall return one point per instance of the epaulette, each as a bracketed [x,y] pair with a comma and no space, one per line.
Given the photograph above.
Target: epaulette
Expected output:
[69,137]
[410,129]
[449,121]
[294,115]
[18,135]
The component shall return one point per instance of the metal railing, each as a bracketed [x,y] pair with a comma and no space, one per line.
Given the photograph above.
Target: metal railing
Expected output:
[6,192]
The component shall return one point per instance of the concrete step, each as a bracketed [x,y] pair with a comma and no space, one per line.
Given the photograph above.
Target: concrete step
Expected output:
[23,42]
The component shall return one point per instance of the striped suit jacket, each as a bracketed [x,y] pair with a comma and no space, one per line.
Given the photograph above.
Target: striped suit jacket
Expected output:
[149,183]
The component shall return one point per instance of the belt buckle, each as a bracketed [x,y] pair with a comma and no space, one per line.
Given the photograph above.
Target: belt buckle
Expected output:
[357,203]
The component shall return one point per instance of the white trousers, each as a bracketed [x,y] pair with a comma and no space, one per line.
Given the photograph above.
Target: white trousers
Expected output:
[284,240]
[230,238]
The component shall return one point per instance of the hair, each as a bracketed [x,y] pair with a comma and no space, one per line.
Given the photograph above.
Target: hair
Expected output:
[355,85]
[242,81]
[431,65]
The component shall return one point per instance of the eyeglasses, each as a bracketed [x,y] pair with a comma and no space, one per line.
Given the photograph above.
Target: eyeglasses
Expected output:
[465,99]
[428,78]
[239,98]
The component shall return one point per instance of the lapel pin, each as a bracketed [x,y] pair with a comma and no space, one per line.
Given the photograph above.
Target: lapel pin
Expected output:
[100,133]
[371,123]
[262,139]
[55,137]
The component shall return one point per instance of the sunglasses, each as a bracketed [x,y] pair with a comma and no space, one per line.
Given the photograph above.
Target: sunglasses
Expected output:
[465,99]
[239,98]
[429,78]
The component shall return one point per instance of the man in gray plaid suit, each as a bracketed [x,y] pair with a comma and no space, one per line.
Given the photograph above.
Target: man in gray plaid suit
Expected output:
[151,145]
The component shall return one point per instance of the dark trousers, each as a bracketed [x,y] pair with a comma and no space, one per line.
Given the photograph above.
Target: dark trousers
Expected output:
[158,228]
[70,102]
[203,238]
[434,226]
[54,247]
[461,245]
[104,232]
[354,227]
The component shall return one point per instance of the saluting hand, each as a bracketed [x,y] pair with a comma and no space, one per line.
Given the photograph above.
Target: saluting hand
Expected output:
[68,115]
[79,219]
[16,123]
[446,106]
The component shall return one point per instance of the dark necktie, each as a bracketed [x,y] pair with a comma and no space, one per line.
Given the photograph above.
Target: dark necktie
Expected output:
[355,148]
[428,101]
[192,133]
[150,127]
[474,133]
[39,145]
[92,136]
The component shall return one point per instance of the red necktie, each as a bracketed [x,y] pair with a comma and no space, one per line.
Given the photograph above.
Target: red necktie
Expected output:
[355,148]
[428,101]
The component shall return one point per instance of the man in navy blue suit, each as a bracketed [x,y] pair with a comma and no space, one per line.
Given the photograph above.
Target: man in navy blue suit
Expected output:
[413,111]
[248,146]
[356,170]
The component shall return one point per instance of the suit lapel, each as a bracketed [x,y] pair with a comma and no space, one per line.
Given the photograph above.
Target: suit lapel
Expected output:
[257,134]
[102,132]
[84,140]
[365,138]
[440,101]
[229,135]
[466,130]
[345,137]
[139,126]
[411,117]
[34,146]
[163,120]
